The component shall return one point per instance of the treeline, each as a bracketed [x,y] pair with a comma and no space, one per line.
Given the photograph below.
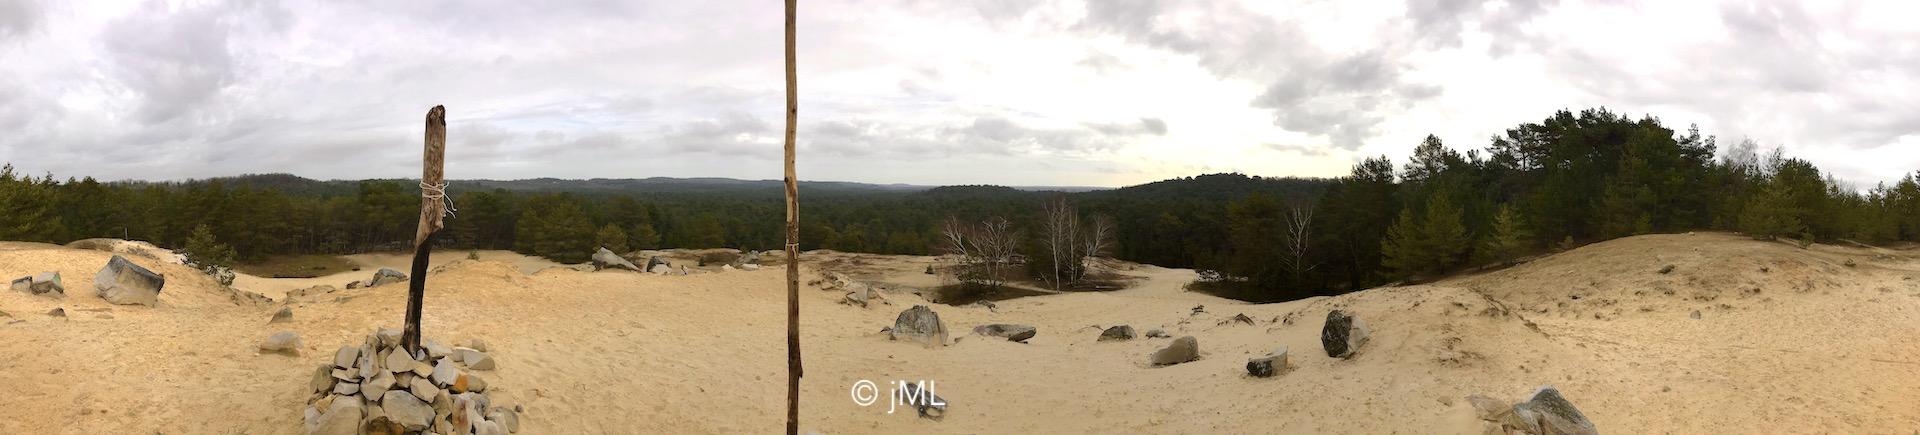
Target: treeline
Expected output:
[1567,180]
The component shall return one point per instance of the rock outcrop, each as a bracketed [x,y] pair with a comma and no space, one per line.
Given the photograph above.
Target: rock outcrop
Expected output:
[604,259]
[920,324]
[124,283]
[1343,334]
[1013,333]
[1183,349]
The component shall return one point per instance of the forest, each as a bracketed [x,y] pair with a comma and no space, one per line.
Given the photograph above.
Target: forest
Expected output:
[1569,179]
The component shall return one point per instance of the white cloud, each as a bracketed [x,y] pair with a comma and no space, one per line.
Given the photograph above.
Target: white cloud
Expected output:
[1031,92]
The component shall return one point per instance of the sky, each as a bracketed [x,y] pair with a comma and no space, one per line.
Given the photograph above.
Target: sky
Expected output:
[931,92]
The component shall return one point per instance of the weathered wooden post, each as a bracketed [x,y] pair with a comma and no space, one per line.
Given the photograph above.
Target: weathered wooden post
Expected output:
[793,240]
[433,208]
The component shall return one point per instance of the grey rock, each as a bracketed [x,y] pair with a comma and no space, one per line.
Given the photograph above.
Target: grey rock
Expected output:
[1343,334]
[484,427]
[1014,333]
[920,324]
[424,389]
[1553,414]
[1694,315]
[749,266]
[655,263]
[222,274]
[57,312]
[1121,332]
[377,385]
[1268,365]
[286,342]
[1181,350]
[284,315]
[347,375]
[23,284]
[346,388]
[460,354]
[342,417]
[388,337]
[386,276]
[44,284]
[346,356]
[355,285]
[403,408]
[480,361]
[506,417]
[322,378]
[478,345]
[398,361]
[445,373]
[604,259]
[435,349]
[1157,333]
[124,283]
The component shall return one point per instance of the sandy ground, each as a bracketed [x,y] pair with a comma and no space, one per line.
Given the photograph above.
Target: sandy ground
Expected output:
[1819,347]
[277,288]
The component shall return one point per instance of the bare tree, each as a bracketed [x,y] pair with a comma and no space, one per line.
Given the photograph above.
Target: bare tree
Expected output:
[1098,241]
[1062,226]
[1299,239]
[985,250]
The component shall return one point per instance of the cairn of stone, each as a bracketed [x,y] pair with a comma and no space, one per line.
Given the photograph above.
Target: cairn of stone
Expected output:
[377,387]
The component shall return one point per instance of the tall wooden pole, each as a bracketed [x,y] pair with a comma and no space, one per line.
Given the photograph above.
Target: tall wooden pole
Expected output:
[793,239]
[432,217]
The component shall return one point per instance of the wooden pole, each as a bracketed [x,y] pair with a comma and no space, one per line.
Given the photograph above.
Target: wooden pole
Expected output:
[432,217]
[793,239]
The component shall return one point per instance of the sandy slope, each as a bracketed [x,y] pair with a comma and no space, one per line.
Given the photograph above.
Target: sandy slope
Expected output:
[1822,347]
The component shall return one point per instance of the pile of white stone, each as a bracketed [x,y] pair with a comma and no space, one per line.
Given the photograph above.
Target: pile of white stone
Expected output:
[377,387]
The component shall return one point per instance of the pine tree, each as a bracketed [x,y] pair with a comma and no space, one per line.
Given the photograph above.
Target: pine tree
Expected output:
[612,238]
[1445,234]
[1509,238]
[1769,214]
[643,237]
[1404,250]
[204,252]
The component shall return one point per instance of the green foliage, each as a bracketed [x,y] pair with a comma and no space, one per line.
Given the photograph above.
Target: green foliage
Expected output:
[643,237]
[1257,226]
[204,252]
[1509,239]
[555,227]
[1428,245]
[612,238]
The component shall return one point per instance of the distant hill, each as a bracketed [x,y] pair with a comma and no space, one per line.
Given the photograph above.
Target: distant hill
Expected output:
[301,186]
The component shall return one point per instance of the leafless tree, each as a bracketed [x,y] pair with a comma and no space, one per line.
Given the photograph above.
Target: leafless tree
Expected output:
[1062,226]
[1099,240]
[1299,239]
[985,250]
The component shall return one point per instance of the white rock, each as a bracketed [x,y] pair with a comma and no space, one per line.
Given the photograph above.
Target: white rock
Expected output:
[407,410]
[345,357]
[445,373]
[287,342]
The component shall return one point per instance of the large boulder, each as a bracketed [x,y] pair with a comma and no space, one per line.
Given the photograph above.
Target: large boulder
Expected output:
[124,283]
[385,276]
[1546,413]
[1343,334]
[1122,333]
[659,265]
[1013,333]
[604,259]
[920,324]
[1551,414]
[1181,350]
[44,284]
[1268,365]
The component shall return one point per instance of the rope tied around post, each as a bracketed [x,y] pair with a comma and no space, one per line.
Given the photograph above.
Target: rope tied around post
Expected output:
[438,191]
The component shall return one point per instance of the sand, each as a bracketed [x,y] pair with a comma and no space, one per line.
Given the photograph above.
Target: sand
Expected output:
[1821,347]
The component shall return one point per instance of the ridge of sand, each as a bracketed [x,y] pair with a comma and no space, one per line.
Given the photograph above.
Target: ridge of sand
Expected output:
[1822,347]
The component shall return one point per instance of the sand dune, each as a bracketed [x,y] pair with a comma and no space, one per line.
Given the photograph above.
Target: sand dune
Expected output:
[1820,347]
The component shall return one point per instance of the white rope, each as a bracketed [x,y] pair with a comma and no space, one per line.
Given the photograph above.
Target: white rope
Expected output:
[439,191]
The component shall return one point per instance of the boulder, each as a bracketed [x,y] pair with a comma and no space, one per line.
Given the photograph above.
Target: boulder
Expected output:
[386,276]
[1014,333]
[1181,350]
[345,357]
[1117,333]
[44,284]
[1157,333]
[1268,365]
[604,259]
[284,315]
[407,410]
[124,283]
[1552,414]
[920,324]
[342,417]
[1343,334]
[655,264]
[285,342]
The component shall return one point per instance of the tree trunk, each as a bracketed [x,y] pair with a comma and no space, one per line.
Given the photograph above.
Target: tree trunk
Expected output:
[432,217]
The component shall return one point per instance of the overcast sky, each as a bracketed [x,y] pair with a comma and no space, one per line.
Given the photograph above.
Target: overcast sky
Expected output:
[1017,92]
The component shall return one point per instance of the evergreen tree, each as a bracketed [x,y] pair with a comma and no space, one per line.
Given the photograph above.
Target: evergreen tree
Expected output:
[1509,237]
[612,238]
[1404,251]
[204,252]
[643,237]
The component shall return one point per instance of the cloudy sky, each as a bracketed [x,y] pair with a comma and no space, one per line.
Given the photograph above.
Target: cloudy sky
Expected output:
[1020,92]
